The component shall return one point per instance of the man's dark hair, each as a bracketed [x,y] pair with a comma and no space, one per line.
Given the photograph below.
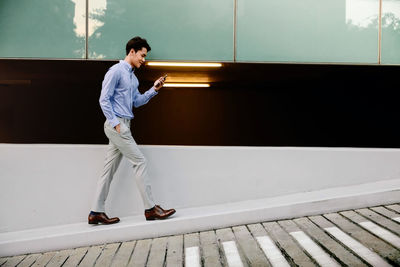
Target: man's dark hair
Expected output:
[137,43]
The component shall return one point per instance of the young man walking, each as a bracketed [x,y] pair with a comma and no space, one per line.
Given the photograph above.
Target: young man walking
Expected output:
[119,95]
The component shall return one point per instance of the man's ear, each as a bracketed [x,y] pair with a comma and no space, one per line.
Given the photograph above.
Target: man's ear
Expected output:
[132,51]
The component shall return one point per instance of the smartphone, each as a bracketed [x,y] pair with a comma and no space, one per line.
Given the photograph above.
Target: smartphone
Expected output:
[163,77]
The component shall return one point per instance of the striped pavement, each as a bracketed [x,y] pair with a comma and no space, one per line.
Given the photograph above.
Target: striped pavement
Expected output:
[362,237]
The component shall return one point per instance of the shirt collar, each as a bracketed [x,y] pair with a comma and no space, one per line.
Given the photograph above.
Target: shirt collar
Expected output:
[126,66]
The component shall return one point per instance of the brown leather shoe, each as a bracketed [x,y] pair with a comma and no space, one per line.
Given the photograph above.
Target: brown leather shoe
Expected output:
[158,213]
[101,218]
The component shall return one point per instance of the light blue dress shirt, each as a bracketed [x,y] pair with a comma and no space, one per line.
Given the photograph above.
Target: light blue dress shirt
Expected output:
[119,93]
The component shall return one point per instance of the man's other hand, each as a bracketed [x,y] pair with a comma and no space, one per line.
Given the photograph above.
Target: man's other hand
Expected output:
[118,128]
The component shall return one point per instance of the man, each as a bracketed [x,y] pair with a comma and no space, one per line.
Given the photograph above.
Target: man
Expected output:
[118,95]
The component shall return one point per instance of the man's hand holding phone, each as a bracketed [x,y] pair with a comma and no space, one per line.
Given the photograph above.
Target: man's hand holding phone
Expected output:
[160,82]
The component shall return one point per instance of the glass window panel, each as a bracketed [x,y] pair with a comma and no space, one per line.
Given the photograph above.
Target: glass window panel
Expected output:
[42,28]
[308,31]
[391,31]
[175,29]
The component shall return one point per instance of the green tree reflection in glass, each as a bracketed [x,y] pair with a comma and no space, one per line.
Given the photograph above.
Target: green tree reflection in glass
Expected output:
[39,28]
[391,32]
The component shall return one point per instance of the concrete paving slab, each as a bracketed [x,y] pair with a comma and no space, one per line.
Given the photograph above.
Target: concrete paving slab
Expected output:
[210,249]
[287,243]
[257,229]
[107,255]
[271,250]
[373,228]
[247,243]
[59,259]
[341,254]
[44,259]
[140,254]
[394,207]
[3,260]
[308,245]
[385,212]
[29,260]
[321,221]
[175,251]
[123,254]
[157,252]
[191,240]
[76,257]
[14,261]
[381,220]
[226,236]
[192,250]
[385,250]
[358,248]
[91,256]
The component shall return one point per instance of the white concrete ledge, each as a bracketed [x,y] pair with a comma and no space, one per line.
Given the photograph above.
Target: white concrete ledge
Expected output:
[201,218]
[47,190]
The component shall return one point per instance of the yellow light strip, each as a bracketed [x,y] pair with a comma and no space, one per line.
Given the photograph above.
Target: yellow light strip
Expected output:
[184,64]
[186,85]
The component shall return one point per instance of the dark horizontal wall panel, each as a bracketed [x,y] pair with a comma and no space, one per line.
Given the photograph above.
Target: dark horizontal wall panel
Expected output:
[56,101]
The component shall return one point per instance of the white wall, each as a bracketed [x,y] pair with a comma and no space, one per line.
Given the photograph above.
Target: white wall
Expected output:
[44,185]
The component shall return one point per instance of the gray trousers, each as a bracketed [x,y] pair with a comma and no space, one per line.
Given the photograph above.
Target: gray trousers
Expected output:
[122,144]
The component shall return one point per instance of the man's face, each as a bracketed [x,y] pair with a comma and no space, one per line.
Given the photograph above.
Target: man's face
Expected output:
[138,58]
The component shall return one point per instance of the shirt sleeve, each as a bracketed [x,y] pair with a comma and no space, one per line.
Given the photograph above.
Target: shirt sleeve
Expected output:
[107,91]
[141,99]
